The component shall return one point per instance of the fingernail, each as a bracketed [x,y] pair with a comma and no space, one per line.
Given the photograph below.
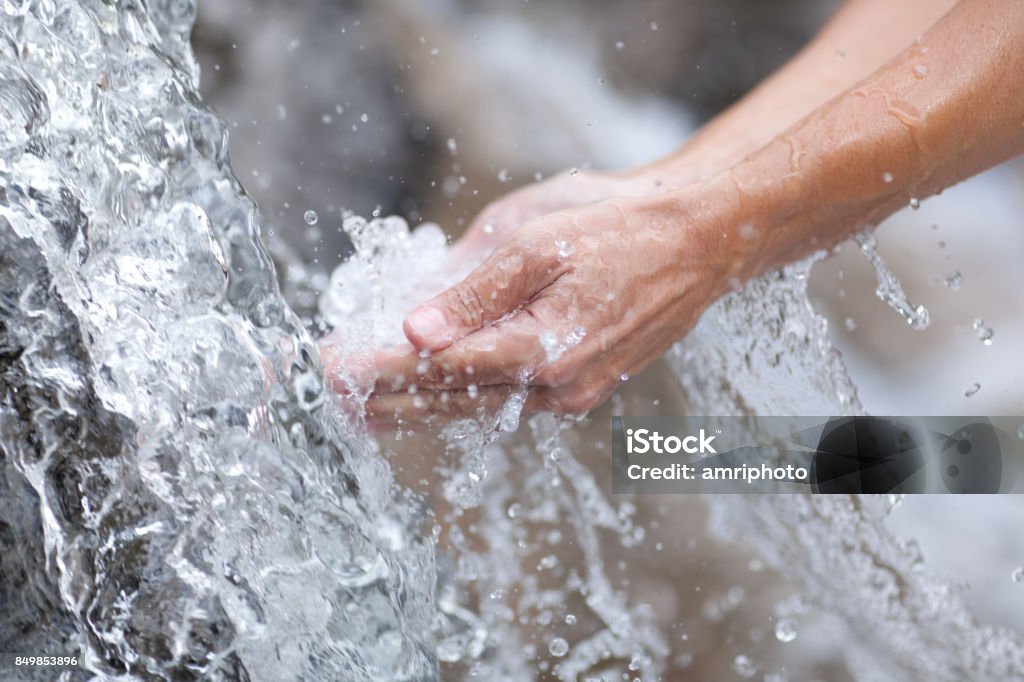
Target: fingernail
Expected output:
[429,324]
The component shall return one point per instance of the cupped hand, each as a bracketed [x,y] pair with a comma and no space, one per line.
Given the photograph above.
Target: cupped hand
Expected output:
[568,305]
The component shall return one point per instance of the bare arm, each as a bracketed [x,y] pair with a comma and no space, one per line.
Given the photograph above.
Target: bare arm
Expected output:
[861,37]
[947,107]
[643,268]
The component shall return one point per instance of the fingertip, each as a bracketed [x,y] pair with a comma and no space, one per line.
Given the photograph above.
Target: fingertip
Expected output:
[427,328]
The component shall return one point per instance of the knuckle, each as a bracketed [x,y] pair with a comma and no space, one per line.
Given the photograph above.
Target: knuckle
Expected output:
[465,302]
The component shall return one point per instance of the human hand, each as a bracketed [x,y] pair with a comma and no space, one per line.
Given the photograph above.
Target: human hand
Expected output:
[568,189]
[568,305]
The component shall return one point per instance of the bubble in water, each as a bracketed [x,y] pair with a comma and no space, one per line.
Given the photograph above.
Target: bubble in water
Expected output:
[620,46]
[453,146]
[1018,575]
[850,324]
[311,217]
[915,203]
[503,176]
[744,666]
[786,629]
[574,171]
[570,619]
[972,390]
[364,118]
[558,647]
[955,280]
[887,177]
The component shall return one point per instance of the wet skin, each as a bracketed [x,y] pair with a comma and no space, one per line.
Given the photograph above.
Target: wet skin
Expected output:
[651,248]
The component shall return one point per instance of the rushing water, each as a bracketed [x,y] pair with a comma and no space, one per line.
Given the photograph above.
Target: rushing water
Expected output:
[179,497]
[182,497]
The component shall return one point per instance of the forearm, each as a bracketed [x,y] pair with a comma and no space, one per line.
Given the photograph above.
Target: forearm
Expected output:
[946,108]
[860,38]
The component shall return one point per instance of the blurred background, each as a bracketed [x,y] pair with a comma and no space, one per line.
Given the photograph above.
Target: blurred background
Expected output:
[431,108]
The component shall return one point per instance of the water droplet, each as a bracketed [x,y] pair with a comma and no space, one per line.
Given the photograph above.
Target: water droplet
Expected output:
[452,145]
[570,619]
[364,118]
[985,333]
[744,666]
[850,324]
[558,647]
[624,377]
[565,249]
[972,389]
[574,171]
[654,26]
[549,342]
[503,175]
[915,203]
[785,629]
[887,177]
[488,228]
[620,46]
[310,217]
[920,71]
[955,280]
[1018,575]
[889,288]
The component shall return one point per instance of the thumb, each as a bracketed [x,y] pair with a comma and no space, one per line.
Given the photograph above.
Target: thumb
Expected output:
[508,279]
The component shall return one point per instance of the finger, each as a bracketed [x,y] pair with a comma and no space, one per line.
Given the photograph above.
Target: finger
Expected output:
[507,279]
[431,407]
[506,353]
[428,407]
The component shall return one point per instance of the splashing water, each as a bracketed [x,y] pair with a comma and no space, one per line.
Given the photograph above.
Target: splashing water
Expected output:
[889,288]
[176,492]
[182,498]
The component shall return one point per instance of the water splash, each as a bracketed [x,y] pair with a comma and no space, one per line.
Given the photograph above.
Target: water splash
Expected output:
[889,288]
[176,492]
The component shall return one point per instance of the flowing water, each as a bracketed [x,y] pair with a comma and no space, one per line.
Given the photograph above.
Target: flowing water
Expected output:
[182,497]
